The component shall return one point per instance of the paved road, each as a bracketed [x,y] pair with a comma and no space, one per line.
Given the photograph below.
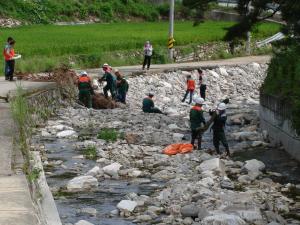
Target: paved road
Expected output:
[190,65]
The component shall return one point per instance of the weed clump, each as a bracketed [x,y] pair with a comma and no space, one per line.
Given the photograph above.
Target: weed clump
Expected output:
[108,134]
[90,153]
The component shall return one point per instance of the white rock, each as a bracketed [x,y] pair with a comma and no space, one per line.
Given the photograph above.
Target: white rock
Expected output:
[177,136]
[45,134]
[223,219]
[66,133]
[82,183]
[172,112]
[112,169]
[94,172]
[206,182]
[58,127]
[173,126]
[250,215]
[135,173]
[214,74]
[83,222]
[127,205]
[223,72]
[213,164]
[254,165]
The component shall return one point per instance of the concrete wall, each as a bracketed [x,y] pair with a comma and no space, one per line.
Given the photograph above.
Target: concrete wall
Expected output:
[280,131]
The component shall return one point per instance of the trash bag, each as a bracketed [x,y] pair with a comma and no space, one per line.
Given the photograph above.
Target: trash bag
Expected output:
[181,148]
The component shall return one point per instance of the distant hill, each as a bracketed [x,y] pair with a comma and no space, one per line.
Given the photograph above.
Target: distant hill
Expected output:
[50,11]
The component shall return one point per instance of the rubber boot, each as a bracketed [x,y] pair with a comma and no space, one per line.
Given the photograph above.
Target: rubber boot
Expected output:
[227,152]
[218,151]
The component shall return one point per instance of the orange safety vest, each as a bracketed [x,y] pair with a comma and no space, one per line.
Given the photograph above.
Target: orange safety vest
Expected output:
[84,79]
[197,108]
[8,55]
[191,85]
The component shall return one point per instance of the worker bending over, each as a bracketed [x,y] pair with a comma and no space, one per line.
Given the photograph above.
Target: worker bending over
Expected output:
[110,81]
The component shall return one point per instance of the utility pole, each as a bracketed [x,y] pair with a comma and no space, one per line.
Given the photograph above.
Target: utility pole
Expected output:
[171,29]
[248,43]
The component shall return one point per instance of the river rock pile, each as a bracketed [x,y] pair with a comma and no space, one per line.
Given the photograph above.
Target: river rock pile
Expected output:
[195,188]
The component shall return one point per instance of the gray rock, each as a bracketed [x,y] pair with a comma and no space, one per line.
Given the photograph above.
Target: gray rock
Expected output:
[190,211]
[227,184]
[83,222]
[254,165]
[88,211]
[223,219]
[82,183]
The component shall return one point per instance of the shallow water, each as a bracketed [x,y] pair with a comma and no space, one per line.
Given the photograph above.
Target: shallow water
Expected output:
[108,194]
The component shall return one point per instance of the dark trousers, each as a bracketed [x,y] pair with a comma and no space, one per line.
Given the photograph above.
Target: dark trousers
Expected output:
[147,61]
[6,70]
[202,90]
[121,97]
[10,69]
[191,95]
[196,135]
[219,136]
[110,89]
[86,98]
[153,110]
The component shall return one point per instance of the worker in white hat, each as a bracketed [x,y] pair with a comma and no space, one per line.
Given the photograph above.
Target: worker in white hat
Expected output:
[196,120]
[218,129]
[85,89]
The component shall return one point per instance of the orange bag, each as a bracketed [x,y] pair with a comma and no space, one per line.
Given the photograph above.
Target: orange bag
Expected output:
[174,149]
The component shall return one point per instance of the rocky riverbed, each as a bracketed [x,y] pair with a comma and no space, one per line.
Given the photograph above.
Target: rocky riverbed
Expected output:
[128,180]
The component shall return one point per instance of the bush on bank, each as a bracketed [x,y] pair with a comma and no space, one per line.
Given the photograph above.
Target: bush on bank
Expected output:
[283,79]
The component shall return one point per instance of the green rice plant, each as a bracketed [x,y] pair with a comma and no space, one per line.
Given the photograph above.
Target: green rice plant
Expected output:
[54,45]
[108,134]
[90,153]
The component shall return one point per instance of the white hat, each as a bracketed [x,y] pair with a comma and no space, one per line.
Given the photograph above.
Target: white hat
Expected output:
[116,70]
[199,100]
[221,106]
[105,65]
[83,73]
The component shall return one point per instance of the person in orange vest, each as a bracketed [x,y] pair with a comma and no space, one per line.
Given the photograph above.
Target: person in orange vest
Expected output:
[9,53]
[85,89]
[196,119]
[191,85]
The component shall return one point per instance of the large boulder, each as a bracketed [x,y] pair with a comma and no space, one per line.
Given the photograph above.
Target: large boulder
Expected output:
[215,164]
[112,169]
[223,219]
[127,205]
[82,183]
[254,165]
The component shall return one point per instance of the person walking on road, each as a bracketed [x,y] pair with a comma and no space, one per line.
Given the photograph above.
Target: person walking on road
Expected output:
[110,81]
[191,85]
[202,82]
[196,120]
[218,128]
[148,105]
[122,87]
[9,54]
[148,50]
[85,89]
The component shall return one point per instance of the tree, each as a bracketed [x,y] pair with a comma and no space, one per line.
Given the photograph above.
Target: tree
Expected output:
[200,7]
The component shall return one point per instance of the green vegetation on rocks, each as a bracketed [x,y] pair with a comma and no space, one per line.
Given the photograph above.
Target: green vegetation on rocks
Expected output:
[108,134]
[283,80]
[45,47]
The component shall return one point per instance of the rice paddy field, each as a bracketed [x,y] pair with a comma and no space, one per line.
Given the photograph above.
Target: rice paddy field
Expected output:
[44,47]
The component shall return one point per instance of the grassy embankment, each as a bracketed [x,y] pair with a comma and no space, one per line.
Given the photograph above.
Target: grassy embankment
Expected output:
[44,47]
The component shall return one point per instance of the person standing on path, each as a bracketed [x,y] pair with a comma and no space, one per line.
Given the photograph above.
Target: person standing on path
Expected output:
[85,89]
[218,128]
[202,82]
[148,105]
[196,119]
[9,54]
[191,85]
[110,81]
[122,87]
[148,50]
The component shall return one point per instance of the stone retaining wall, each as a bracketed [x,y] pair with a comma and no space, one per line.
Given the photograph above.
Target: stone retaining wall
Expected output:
[274,116]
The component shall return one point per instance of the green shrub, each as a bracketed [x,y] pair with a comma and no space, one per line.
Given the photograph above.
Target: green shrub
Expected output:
[90,153]
[108,134]
[283,78]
